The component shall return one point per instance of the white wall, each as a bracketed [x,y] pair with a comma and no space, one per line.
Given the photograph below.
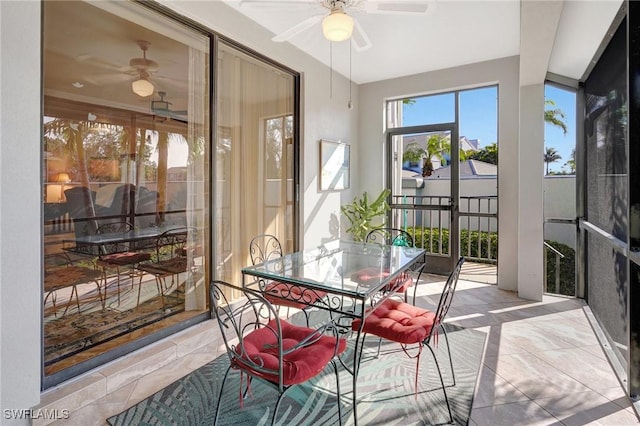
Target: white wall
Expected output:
[530,194]
[560,203]
[503,72]
[20,207]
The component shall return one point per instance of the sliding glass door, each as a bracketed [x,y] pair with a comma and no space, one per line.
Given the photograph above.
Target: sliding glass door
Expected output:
[125,185]
[256,157]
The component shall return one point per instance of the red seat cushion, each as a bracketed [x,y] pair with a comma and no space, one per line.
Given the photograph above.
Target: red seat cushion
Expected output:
[283,294]
[398,321]
[260,346]
[366,275]
[125,258]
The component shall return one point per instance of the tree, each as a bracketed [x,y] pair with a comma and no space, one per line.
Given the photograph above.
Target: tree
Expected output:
[438,146]
[488,154]
[551,156]
[571,163]
[555,116]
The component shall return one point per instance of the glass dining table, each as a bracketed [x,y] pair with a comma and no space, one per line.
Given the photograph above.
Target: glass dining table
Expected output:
[352,277]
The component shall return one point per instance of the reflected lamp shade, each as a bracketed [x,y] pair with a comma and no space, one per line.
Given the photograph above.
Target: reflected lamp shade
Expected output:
[62,178]
[337,26]
[142,87]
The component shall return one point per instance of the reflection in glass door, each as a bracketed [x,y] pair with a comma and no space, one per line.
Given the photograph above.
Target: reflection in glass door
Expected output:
[125,189]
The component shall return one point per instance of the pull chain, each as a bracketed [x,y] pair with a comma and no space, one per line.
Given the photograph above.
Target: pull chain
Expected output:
[350,103]
[330,70]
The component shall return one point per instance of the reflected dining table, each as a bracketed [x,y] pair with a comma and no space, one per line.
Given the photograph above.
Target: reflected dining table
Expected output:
[352,277]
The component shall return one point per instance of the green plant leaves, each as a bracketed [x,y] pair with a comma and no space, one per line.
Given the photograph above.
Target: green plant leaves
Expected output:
[362,214]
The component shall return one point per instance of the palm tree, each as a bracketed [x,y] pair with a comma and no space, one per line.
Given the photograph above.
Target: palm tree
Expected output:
[551,156]
[555,116]
[572,162]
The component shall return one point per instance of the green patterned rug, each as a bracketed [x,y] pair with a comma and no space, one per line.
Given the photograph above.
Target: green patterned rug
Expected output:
[385,392]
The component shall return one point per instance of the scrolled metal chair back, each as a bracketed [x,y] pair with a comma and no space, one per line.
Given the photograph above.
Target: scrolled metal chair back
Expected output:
[237,319]
[265,247]
[390,236]
[447,294]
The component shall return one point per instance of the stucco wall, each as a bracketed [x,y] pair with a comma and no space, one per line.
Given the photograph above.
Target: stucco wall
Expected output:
[503,72]
[20,209]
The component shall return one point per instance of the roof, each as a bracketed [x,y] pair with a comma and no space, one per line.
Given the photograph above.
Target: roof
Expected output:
[468,168]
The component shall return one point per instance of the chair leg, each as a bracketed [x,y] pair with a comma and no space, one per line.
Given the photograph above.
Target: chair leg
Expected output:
[224,379]
[139,289]
[453,373]
[306,316]
[275,410]
[335,370]
[444,389]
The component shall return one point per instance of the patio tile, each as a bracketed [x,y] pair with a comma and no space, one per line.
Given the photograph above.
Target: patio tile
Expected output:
[587,408]
[532,376]
[524,413]
[588,369]
[494,390]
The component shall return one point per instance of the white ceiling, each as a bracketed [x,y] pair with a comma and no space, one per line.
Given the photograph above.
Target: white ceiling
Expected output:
[451,33]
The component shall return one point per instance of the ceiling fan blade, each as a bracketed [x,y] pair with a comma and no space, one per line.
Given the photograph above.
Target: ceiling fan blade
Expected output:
[400,6]
[105,79]
[298,28]
[359,37]
[276,3]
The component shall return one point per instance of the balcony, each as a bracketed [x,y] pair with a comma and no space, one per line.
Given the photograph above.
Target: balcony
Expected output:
[542,364]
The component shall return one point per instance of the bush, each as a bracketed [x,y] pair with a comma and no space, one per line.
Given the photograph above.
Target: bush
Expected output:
[567,269]
[477,244]
[483,246]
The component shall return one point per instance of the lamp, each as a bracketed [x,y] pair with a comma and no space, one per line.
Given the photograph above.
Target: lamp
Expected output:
[62,178]
[337,26]
[143,87]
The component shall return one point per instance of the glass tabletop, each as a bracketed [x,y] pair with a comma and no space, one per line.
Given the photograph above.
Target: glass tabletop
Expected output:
[343,267]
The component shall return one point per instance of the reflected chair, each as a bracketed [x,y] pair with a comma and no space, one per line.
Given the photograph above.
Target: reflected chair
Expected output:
[267,247]
[119,255]
[263,346]
[172,257]
[60,273]
[408,324]
[398,237]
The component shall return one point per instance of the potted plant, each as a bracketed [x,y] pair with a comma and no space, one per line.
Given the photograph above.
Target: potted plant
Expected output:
[364,215]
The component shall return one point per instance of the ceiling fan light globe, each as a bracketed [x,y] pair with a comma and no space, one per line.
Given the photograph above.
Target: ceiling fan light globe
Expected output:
[337,26]
[142,87]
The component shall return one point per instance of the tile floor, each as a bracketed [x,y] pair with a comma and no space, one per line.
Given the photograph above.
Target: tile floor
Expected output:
[542,365]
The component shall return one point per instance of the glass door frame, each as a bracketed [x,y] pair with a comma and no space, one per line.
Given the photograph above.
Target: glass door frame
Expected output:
[436,264]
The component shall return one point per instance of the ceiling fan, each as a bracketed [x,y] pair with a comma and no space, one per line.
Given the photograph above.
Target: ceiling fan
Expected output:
[141,69]
[339,24]
[162,107]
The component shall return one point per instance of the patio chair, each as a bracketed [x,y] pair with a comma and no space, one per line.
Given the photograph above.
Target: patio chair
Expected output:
[263,346]
[399,237]
[119,255]
[172,257]
[264,248]
[408,324]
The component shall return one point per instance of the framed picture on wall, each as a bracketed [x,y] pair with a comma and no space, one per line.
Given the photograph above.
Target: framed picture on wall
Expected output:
[334,165]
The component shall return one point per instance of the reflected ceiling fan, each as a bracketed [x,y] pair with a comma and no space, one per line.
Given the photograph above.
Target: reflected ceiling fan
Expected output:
[338,24]
[140,71]
[162,107]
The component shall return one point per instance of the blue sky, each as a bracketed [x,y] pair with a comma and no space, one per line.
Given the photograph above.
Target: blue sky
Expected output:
[553,136]
[479,117]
